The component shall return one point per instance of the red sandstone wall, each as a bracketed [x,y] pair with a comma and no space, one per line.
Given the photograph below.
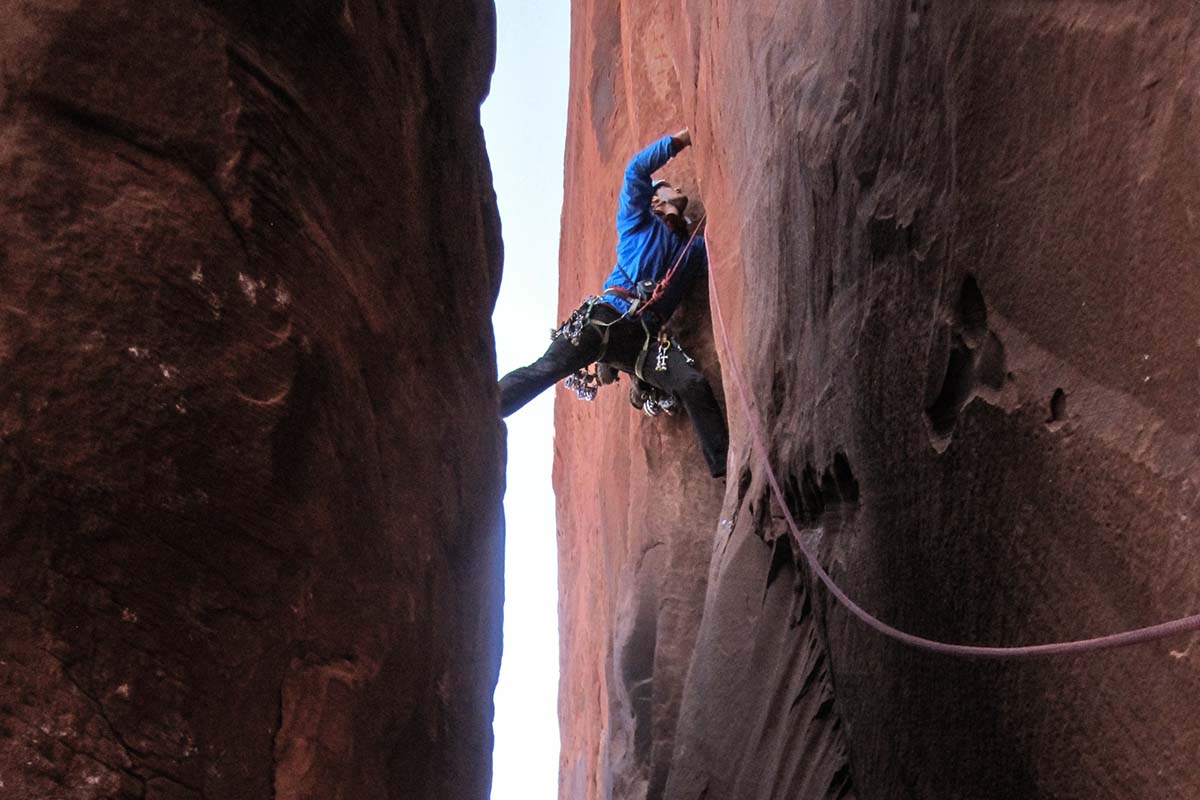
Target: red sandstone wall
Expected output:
[955,249]
[632,493]
[250,465]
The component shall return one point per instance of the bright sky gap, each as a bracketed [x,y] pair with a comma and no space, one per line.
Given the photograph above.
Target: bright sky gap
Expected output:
[524,120]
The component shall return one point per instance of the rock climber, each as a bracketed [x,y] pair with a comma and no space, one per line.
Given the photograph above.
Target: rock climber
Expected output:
[623,327]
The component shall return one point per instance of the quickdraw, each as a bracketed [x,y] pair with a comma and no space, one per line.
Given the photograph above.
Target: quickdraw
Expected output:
[664,348]
[580,318]
[584,384]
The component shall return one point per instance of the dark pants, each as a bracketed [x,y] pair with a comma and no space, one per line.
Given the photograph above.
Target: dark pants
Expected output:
[625,340]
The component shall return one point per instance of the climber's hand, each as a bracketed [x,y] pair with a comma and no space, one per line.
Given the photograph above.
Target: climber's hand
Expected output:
[682,139]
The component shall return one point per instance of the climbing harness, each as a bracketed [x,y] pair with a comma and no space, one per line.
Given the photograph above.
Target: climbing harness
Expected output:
[661,287]
[634,300]
[658,291]
[585,382]
[1125,638]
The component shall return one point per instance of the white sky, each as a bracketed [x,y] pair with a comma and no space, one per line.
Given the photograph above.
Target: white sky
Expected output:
[525,120]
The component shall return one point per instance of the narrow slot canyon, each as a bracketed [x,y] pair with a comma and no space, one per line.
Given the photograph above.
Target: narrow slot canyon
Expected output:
[252,460]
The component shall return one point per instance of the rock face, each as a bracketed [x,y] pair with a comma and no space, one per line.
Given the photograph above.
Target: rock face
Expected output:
[250,463]
[955,247]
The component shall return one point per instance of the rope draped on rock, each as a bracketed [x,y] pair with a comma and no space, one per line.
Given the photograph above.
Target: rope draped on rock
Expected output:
[1123,639]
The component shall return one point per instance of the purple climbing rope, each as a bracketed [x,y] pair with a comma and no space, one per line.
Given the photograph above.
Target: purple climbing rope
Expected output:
[1108,642]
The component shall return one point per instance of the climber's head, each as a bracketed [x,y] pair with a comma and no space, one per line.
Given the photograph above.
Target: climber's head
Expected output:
[669,204]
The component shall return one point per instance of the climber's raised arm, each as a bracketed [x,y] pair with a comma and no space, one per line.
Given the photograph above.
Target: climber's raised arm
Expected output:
[634,206]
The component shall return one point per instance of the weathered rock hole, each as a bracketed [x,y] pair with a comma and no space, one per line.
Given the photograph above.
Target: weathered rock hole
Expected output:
[972,312]
[1058,405]
[889,235]
[814,673]
[810,492]
[805,599]
[829,489]
[1058,409]
[814,493]
[792,496]
[841,784]
[844,479]
[781,556]
[976,364]
[956,391]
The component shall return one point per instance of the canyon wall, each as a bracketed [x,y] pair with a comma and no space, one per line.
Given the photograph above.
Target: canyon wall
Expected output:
[955,246]
[250,460]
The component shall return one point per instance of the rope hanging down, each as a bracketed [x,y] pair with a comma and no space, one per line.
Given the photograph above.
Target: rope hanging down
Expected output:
[1123,639]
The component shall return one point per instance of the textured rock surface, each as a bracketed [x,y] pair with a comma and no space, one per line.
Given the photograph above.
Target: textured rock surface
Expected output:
[250,467]
[955,244]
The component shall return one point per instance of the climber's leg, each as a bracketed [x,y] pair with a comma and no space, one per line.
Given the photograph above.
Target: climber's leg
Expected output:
[560,360]
[681,378]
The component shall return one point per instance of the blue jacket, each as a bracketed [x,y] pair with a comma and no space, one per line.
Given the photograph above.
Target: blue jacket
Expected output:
[646,246]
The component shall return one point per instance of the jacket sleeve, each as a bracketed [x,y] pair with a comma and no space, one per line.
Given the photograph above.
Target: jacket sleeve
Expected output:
[634,206]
